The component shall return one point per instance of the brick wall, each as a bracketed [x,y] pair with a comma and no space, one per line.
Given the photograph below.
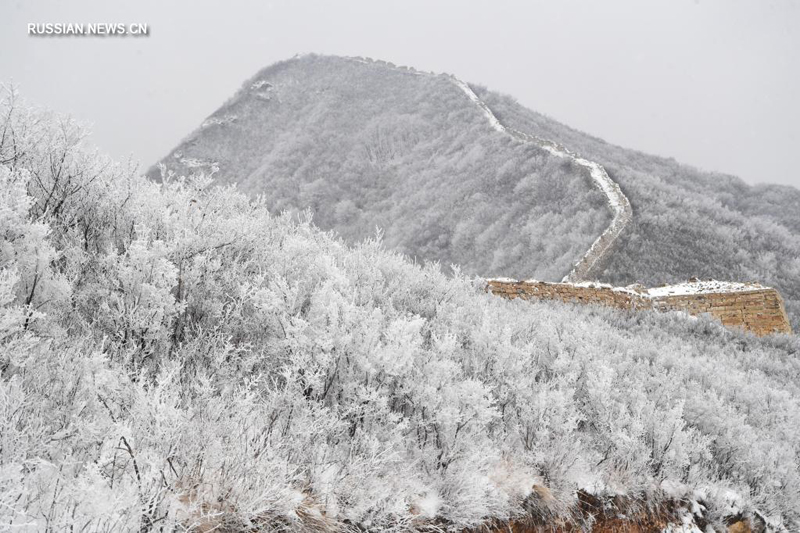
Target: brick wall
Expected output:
[750,306]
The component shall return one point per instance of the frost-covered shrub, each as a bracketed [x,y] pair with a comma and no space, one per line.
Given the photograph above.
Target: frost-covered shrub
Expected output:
[211,365]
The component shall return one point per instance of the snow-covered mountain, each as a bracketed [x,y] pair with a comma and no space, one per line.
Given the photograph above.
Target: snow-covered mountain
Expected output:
[481,182]
[365,144]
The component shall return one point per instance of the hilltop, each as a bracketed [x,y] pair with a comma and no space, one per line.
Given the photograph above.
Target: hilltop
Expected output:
[365,145]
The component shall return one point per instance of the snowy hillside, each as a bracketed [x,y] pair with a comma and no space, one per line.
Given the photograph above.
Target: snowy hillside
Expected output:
[591,265]
[174,356]
[365,144]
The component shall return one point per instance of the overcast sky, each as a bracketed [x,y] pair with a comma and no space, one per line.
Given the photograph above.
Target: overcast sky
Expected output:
[715,84]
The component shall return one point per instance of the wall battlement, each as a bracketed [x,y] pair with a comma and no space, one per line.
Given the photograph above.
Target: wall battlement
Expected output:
[750,306]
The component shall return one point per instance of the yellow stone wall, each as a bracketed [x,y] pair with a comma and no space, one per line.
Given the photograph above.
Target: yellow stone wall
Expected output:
[759,309]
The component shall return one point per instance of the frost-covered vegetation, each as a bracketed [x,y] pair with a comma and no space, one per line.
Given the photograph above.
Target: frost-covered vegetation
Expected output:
[172,355]
[686,222]
[365,145]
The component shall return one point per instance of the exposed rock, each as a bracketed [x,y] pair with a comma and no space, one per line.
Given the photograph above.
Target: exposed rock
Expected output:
[742,526]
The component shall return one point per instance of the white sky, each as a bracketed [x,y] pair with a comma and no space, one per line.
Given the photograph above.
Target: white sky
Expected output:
[714,83]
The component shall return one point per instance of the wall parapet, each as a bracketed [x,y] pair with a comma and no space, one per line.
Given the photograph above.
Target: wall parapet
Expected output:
[750,306]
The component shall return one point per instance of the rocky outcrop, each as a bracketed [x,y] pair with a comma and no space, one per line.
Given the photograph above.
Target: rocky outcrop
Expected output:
[750,306]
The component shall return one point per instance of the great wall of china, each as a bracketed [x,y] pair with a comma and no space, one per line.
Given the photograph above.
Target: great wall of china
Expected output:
[750,306]
[594,260]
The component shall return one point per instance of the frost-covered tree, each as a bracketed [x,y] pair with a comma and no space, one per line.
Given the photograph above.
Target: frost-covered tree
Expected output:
[195,362]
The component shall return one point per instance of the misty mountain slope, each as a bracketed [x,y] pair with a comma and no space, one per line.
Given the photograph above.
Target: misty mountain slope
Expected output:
[365,145]
[686,222]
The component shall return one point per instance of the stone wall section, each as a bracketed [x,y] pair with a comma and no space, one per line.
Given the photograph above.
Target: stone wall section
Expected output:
[755,308]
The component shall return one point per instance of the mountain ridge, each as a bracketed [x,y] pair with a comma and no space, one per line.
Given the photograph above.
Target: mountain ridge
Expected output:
[686,223]
[436,157]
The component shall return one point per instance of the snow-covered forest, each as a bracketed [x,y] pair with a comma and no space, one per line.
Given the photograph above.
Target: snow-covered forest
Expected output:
[174,356]
[366,145]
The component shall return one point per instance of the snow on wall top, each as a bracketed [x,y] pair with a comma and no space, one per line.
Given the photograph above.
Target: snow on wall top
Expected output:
[702,287]
[691,287]
[754,307]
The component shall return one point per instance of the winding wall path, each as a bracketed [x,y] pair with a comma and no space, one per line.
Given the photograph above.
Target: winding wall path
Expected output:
[596,258]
